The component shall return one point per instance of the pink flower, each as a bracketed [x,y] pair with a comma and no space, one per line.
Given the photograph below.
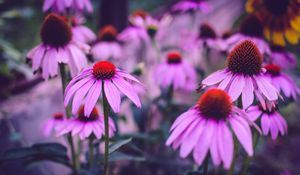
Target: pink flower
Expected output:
[205,127]
[244,76]
[176,72]
[85,126]
[282,57]
[80,32]
[62,5]
[107,47]
[250,29]
[57,47]
[191,5]
[88,86]
[53,124]
[281,81]
[271,120]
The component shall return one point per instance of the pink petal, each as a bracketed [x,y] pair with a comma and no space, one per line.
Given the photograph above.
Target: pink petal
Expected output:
[266,88]
[127,89]
[215,78]
[244,137]
[248,94]
[224,84]
[265,124]
[225,143]
[92,97]
[214,148]
[112,95]
[236,87]
[273,128]
[47,4]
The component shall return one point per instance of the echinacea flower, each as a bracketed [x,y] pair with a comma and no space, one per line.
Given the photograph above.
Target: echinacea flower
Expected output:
[282,57]
[80,32]
[107,46]
[281,81]
[57,47]
[176,72]
[244,76]
[190,6]
[281,19]
[62,5]
[53,124]
[251,28]
[206,127]
[86,125]
[271,120]
[88,86]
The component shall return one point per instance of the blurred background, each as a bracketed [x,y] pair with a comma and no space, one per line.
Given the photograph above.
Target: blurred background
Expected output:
[26,100]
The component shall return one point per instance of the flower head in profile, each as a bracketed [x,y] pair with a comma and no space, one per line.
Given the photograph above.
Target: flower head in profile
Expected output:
[282,57]
[244,76]
[175,71]
[53,124]
[104,75]
[107,46]
[281,19]
[85,126]
[80,32]
[206,128]
[251,28]
[191,6]
[271,120]
[57,47]
[281,81]
[62,5]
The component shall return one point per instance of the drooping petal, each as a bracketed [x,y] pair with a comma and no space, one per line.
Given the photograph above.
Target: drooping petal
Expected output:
[236,87]
[113,95]
[248,94]
[265,124]
[225,145]
[92,97]
[215,78]
[266,88]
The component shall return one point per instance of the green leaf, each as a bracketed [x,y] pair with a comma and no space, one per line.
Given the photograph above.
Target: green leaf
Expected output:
[113,147]
[45,151]
[118,156]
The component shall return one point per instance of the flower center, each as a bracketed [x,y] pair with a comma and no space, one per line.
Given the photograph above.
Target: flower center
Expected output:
[215,104]
[140,13]
[93,116]
[151,30]
[174,57]
[226,35]
[108,33]
[104,70]
[277,7]
[206,32]
[58,116]
[55,31]
[252,26]
[273,69]
[245,59]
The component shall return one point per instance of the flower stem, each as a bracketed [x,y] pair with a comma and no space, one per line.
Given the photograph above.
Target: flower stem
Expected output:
[247,160]
[106,109]
[235,155]
[91,151]
[205,166]
[64,80]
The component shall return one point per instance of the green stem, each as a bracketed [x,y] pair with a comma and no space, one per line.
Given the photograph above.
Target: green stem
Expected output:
[91,151]
[235,155]
[64,80]
[205,166]
[106,109]
[247,160]
[155,46]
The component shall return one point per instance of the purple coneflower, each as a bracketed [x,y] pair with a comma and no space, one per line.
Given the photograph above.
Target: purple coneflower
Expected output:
[88,85]
[57,47]
[190,6]
[282,57]
[62,5]
[281,81]
[80,32]
[85,126]
[251,29]
[53,124]
[271,120]
[107,47]
[176,72]
[205,127]
[244,76]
